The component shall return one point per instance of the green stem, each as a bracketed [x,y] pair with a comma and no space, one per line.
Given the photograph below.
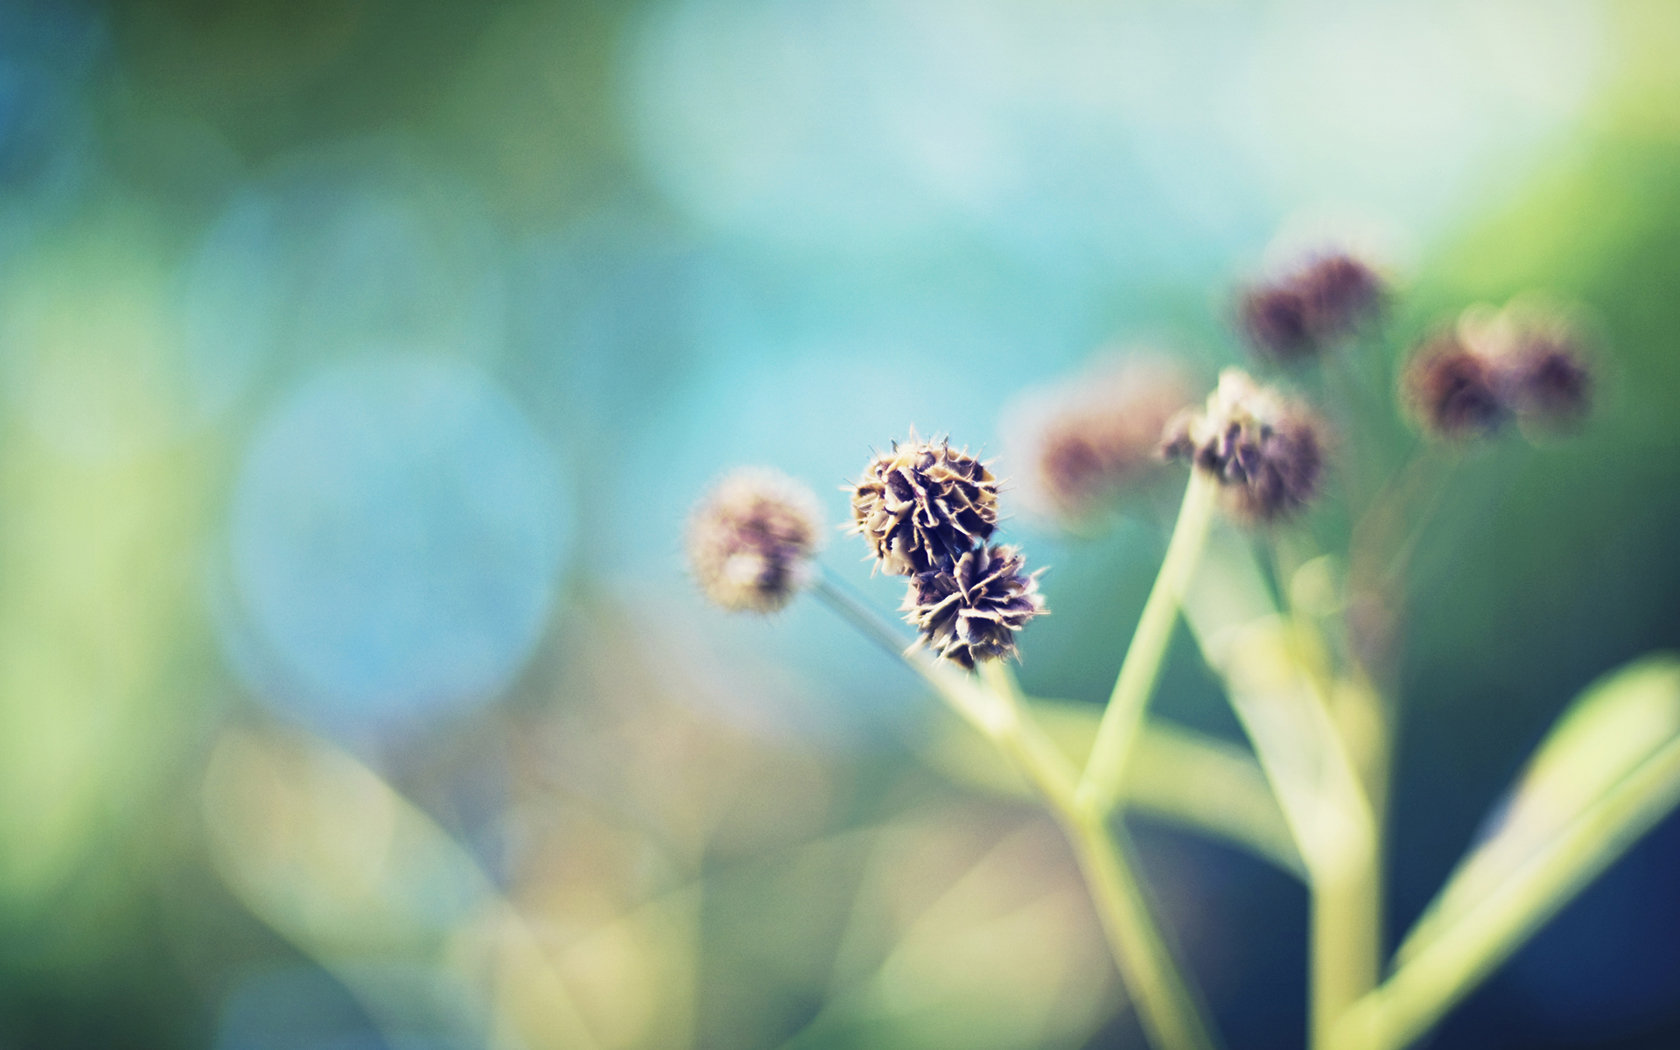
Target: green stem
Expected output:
[1105,772]
[1171,1015]
[1169,1010]
[1445,970]
[1346,881]
[1337,834]
[1276,679]
[849,607]
[1346,940]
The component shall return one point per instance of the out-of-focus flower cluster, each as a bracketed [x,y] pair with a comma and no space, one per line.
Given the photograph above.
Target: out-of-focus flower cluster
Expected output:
[1302,313]
[1528,361]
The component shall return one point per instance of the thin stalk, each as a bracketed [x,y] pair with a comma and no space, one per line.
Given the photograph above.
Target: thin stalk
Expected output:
[1171,1013]
[1105,772]
[1345,939]
[1346,875]
[974,704]
[1208,787]
[1345,879]
[1337,835]
[849,607]
[1443,972]
[1276,682]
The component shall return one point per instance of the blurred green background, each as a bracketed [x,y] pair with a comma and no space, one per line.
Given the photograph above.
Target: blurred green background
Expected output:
[359,361]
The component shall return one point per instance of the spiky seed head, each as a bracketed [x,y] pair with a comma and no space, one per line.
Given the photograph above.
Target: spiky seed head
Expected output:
[973,609]
[1282,471]
[751,540]
[922,505]
[1454,391]
[1265,450]
[1090,437]
[1322,301]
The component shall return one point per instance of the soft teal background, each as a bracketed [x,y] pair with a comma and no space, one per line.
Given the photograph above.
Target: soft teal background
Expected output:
[359,361]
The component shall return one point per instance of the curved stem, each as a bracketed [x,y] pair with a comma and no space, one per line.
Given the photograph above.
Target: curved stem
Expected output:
[1105,772]
[1172,1016]
[1168,1009]
[1277,682]
[1171,1013]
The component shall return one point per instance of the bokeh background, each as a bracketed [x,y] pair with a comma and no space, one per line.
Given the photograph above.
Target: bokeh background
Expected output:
[359,360]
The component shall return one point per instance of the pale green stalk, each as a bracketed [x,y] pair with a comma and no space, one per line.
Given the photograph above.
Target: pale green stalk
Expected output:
[1105,771]
[1337,836]
[975,705]
[1346,948]
[1171,1015]
[1346,875]
[1444,971]
[1211,787]
[1168,1008]
[1273,677]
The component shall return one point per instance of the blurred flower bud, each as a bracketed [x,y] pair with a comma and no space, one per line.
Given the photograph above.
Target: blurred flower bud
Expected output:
[1089,437]
[1266,451]
[1454,391]
[1528,360]
[1311,308]
[1540,352]
[923,505]
[1552,383]
[972,610]
[1274,320]
[751,539]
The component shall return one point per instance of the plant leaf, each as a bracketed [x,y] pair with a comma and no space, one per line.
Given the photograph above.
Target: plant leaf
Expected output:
[1205,785]
[1610,730]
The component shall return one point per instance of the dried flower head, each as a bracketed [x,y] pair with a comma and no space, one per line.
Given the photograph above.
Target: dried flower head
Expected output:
[1343,292]
[1310,308]
[1266,450]
[923,504]
[751,539]
[1541,356]
[1551,382]
[1527,361]
[1274,320]
[973,609]
[1453,390]
[1092,436]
